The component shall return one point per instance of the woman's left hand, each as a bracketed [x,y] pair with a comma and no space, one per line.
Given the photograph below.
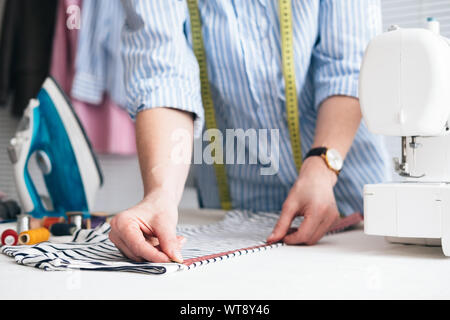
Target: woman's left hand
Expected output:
[313,198]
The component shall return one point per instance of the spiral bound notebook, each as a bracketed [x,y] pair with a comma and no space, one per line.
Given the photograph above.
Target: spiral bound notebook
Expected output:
[239,233]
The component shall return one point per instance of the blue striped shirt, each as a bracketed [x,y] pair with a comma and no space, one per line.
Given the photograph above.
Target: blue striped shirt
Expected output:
[242,43]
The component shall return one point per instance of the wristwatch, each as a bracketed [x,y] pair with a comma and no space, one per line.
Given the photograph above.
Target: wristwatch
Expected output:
[332,158]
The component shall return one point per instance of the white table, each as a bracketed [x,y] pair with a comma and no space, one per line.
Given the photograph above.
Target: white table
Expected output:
[347,265]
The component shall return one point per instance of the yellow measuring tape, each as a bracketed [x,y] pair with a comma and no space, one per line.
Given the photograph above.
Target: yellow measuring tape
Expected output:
[287,48]
[208,105]
[287,53]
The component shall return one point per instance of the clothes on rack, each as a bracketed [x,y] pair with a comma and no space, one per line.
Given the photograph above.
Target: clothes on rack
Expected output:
[109,128]
[64,47]
[25,49]
[78,64]
[2,7]
[99,66]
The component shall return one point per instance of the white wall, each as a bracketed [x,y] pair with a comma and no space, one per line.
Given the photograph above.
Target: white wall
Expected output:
[413,13]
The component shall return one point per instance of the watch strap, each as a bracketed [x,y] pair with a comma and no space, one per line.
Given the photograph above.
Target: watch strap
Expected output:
[316,152]
[321,152]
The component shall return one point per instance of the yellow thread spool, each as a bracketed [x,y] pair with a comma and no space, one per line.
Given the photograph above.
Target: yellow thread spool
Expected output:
[34,236]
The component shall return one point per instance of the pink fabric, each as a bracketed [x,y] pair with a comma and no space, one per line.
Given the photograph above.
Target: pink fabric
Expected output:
[64,47]
[109,128]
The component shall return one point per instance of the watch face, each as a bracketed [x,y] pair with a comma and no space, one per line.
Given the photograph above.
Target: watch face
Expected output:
[334,159]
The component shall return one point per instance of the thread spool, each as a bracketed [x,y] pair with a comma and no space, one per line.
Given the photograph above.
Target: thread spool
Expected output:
[10,237]
[97,221]
[23,223]
[63,229]
[434,25]
[88,223]
[99,218]
[35,236]
[76,218]
[49,221]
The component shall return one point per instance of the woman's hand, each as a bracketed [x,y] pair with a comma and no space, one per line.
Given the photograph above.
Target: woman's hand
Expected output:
[311,197]
[147,232]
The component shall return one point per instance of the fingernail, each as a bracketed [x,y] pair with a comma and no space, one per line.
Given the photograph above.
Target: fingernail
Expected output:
[270,238]
[178,257]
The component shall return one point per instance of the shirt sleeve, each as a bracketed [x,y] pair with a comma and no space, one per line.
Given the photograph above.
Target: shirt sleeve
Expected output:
[345,29]
[160,67]
[89,78]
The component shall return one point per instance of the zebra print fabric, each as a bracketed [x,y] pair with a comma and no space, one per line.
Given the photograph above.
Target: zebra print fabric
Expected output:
[241,232]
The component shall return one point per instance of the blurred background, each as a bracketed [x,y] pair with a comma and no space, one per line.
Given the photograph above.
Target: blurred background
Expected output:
[93,87]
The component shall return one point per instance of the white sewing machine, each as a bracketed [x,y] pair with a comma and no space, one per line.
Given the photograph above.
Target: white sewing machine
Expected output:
[405,92]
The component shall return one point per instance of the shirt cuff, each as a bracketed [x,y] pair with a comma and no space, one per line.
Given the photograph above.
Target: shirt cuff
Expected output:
[171,98]
[341,86]
[88,88]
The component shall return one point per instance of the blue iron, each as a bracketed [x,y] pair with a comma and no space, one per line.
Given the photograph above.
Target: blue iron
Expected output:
[51,130]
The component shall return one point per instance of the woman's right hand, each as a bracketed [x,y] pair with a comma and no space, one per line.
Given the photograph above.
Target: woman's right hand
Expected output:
[147,232]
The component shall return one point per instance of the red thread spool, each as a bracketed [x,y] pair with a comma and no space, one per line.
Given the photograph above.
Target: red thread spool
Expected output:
[10,237]
[49,221]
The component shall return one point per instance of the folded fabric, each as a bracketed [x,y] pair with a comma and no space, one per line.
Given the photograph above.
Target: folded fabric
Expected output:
[241,232]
